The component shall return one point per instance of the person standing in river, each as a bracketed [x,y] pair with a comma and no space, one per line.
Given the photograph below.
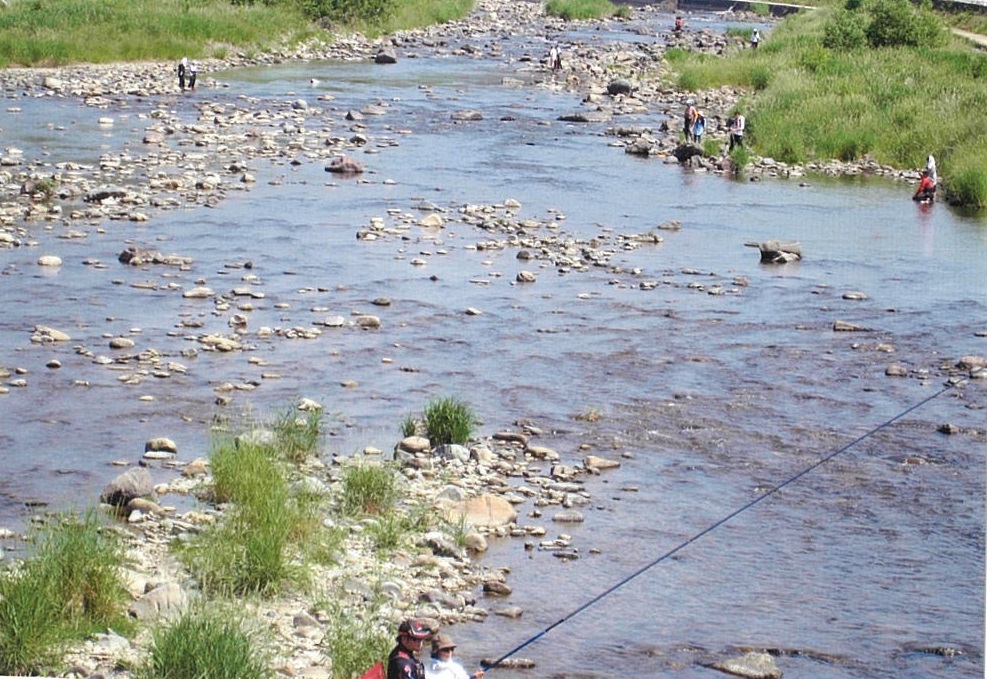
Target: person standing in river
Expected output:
[689,119]
[182,70]
[193,71]
[755,39]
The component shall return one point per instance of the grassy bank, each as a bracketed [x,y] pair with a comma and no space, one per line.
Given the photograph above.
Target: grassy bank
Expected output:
[820,88]
[60,32]
[582,10]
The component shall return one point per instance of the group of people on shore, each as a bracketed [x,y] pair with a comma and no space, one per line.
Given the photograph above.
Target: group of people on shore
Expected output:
[403,661]
[694,126]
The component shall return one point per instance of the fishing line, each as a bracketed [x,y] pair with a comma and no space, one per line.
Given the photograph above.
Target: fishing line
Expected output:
[715,525]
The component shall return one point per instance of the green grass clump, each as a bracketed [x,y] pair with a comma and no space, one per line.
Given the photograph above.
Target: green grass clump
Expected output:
[298,437]
[269,521]
[353,643]
[208,643]
[581,10]
[69,589]
[369,489]
[449,420]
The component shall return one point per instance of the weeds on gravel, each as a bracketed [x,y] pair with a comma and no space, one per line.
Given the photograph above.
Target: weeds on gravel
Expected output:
[353,643]
[369,489]
[213,643]
[69,589]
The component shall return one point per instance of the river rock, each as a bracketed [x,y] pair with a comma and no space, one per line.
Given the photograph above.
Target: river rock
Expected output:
[972,362]
[484,511]
[466,116]
[121,343]
[386,56]
[596,462]
[896,370]
[780,252]
[164,601]
[161,445]
[344,165]
[43,333]
[751,666]
[847,326]
[133,483]
[414,444]
[49,260]
[526,277]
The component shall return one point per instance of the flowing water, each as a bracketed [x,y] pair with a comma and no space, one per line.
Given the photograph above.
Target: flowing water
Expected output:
[861,568]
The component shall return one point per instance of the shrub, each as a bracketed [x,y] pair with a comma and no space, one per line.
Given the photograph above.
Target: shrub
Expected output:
[369,489]
[449,420]
[845,31]
[760,8]
[896,23]
[389,530]
[67,590]
[207,643]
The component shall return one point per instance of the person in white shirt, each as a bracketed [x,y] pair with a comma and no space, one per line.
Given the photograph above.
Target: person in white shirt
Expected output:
[443,665]
[737,130]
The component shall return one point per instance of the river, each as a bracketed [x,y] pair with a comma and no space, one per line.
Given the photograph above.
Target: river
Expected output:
[711,376]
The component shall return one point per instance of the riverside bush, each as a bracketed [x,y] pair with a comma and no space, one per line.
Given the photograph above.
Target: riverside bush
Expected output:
[449,420]
[895,105]
[208,643]
[69,589]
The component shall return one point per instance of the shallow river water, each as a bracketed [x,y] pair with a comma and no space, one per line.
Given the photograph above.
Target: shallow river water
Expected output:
[862,568]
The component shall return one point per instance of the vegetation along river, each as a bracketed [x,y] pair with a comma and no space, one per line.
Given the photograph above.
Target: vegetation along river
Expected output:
[714,376]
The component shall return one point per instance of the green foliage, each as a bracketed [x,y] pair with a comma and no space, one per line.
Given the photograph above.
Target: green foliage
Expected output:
[389,530]
[895,105]
[449,420]
[711,149]
[353,643]
[56,32]
[298,437]
[580,10]
[409,426]
[760,9]
[204,642]
[369,489]
[741,157]
[760,77]
[895,23]
[269,521]
[348,12]
[845,30]
[67,590]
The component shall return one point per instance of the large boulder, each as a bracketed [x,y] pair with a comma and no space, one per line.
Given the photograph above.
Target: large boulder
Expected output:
[386,56]
[133,483]
[344,165]
[619,86]
[486,510]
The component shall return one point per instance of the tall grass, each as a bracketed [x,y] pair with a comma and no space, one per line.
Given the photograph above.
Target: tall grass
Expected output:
[581,10]
[449,420]
[269,522]
[369,489]
[70,588]
[353,642]
[55,32]
[894,104]
[213,643]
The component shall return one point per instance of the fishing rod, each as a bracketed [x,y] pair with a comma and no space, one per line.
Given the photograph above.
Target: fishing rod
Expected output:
[720,522]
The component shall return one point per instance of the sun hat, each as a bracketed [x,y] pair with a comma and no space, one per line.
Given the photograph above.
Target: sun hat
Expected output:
[441,642]
[414,628]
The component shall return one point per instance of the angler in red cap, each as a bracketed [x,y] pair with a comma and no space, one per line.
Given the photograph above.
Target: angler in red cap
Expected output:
[403,662]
